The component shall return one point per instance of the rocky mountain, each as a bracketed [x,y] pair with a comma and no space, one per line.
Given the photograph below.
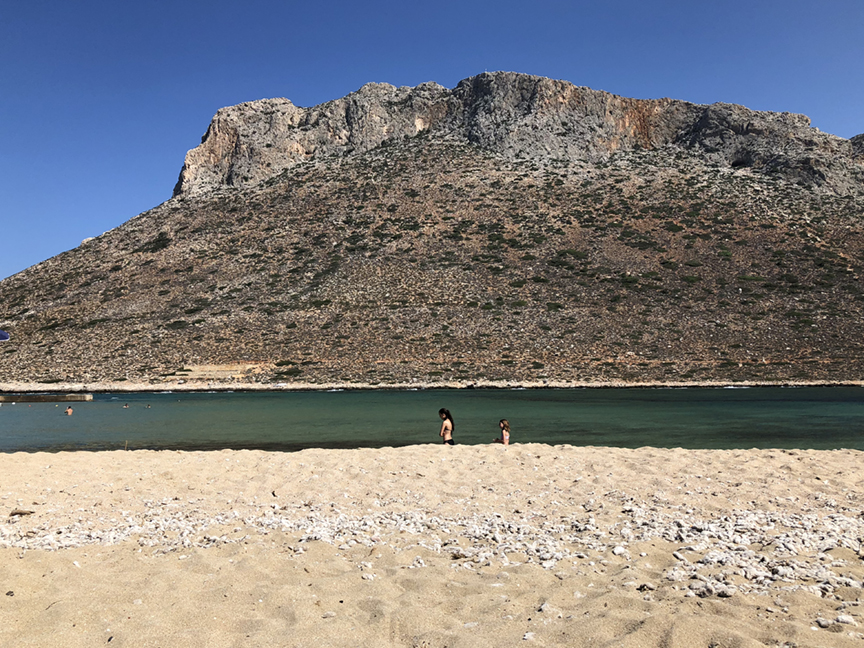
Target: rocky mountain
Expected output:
[515,116]
[514,228]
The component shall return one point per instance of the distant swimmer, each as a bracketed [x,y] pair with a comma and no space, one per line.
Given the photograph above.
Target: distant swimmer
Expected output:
[68,411]
[504,425]
[447,426]
[126,406]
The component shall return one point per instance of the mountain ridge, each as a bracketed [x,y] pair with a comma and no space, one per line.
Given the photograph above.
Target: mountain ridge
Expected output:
[672,242]
[515,115]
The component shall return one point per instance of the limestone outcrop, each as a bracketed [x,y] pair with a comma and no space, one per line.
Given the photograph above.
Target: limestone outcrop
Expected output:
[517,116]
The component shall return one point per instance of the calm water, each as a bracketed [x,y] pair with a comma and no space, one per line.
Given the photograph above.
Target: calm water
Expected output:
[820,418]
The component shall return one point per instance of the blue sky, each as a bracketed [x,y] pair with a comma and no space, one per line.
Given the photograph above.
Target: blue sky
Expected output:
[99,101]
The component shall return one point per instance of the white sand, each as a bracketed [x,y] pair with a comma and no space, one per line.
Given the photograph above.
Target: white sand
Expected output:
[432,546]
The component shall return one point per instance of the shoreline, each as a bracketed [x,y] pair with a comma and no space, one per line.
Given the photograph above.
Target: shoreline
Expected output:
[200,386]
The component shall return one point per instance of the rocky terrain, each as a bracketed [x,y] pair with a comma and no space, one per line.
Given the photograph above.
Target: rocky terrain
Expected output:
[513,228]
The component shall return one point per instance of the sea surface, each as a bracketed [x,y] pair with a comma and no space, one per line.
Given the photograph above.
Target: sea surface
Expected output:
[764,417]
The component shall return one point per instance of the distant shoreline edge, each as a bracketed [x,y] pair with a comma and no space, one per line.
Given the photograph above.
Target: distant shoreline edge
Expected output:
[199,386]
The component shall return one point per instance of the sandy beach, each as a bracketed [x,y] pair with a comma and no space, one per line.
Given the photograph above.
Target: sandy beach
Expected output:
[432,546]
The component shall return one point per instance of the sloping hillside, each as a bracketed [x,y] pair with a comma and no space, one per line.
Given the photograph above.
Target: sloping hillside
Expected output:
[627,241]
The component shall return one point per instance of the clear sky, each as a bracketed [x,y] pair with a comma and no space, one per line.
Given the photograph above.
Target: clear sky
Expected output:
[100,100]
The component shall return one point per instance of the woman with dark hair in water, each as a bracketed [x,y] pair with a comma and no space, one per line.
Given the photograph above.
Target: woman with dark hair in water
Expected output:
[504,425]
[447,426]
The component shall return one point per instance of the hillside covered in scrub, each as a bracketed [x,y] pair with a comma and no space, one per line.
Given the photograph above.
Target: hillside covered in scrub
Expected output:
[513,228]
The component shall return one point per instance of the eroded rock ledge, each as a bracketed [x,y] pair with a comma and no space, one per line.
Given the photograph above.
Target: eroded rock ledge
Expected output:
[515,115]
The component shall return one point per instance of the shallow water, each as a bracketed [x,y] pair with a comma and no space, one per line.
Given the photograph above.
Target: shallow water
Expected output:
[818,417]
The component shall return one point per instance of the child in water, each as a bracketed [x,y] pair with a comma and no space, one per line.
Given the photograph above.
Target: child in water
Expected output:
[504,424]
[447,427]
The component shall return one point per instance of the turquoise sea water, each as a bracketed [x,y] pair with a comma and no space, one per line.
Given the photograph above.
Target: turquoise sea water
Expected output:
[821,418]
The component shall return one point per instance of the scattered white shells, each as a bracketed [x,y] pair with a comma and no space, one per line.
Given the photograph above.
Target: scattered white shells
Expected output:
[792,554]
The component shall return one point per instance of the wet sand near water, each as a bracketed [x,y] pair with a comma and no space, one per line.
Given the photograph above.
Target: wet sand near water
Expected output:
[432,546]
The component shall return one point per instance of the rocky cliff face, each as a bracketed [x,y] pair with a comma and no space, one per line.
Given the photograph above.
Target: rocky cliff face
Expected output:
[513,228]
[517,116]
[858,147]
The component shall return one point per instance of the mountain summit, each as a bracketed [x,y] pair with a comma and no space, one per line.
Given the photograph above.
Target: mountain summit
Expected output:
[516,116]
[514,229]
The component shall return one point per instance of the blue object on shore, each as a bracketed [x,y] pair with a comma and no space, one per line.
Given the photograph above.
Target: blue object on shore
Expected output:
[4,336]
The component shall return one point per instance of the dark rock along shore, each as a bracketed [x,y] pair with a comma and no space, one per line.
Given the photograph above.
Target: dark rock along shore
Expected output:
[512,228]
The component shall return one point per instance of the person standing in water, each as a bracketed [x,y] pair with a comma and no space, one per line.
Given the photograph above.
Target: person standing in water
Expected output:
[447,426]
[504,424]
[68,411]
